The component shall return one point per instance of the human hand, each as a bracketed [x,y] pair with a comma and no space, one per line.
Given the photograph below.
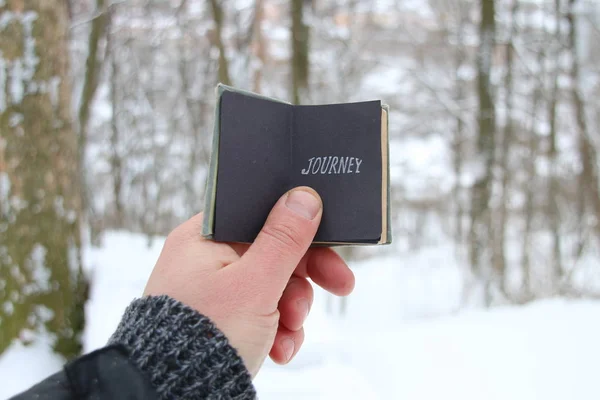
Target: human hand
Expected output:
[258,295]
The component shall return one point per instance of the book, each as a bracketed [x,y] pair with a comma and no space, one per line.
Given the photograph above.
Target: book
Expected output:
[263,147]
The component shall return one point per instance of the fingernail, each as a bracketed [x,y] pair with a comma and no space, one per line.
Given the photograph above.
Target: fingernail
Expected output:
[303,203]
[303,307]
[288,348]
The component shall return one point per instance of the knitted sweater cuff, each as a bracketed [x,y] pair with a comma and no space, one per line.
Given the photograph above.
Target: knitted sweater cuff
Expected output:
[182,352]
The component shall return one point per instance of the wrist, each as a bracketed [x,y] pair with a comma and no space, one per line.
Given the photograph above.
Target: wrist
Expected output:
[182,351]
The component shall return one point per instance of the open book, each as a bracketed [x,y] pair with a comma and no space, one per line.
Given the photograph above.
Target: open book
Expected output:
[263,147]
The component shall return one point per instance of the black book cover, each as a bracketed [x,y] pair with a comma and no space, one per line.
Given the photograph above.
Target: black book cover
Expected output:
[266,148]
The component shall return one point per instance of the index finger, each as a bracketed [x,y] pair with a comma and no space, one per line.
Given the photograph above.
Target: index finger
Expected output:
[328,270]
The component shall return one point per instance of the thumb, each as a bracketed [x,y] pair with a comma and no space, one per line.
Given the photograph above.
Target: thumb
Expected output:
[285,237]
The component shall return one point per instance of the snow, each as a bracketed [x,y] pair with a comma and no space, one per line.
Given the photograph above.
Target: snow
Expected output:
[15,120]
[403,335]
[8,307]
[21,366]
[419,167]
[3,78]
[4,189]
[17,75]
[40,274]
[24,67]
[122,271]
[53,89]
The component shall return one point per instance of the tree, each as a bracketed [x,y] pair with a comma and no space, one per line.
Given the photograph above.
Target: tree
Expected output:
[116,158]
[530,181]
[196,107]
[458,139]
[217,12]
[479,233]
[588,177]
[553,178]
[41,280]
[300,60]
[258,45]
[498,253]
[93,65]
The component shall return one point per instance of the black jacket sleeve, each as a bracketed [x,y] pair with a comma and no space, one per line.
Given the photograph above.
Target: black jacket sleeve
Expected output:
[107,373]
[161,350]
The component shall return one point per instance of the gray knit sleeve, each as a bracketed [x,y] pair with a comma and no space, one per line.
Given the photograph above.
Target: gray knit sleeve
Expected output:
[183,353]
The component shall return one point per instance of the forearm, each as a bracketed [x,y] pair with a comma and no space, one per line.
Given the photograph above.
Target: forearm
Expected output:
[161,350]
[184,355]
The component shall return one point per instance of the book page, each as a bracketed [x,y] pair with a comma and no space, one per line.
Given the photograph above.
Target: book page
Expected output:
[337,151]
[253,164]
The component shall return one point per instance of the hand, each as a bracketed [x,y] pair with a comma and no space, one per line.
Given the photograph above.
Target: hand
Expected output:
[258,295]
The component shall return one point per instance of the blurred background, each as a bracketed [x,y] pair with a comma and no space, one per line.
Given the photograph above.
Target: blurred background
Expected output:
[490,288]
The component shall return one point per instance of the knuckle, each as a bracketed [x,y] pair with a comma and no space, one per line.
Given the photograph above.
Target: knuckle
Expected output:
[297,284]
[176,236]
[285,236]
[183,233]
[172,239]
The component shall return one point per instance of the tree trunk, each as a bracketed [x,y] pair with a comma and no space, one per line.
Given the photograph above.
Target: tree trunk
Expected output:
[479,232]
[459,131]
[553,187]
[300,46]
[498,258]
[116,159]
[259,46]
[41,280]
[197,111]
[530,184]
[92,72]
[217,12]
[588,179]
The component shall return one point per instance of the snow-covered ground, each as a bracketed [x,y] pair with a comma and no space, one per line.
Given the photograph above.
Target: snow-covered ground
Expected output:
[401,336]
